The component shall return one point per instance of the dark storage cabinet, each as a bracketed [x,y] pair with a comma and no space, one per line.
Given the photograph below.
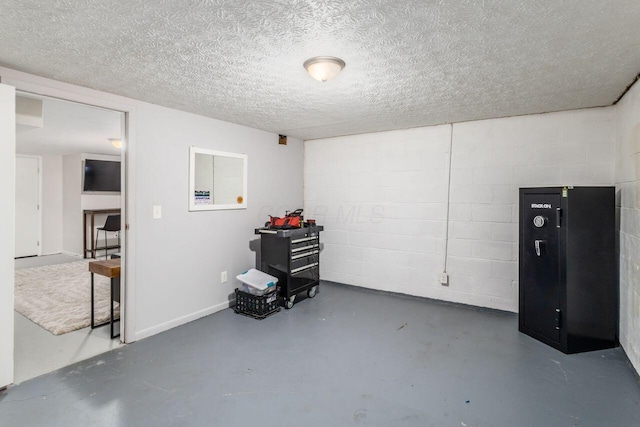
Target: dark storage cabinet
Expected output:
[293,256]
[568,270]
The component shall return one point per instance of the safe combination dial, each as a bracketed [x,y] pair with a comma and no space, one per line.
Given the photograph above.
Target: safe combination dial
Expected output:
[539,221]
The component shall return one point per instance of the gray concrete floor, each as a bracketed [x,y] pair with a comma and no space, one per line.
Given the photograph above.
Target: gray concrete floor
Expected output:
[347,357]
[38,351]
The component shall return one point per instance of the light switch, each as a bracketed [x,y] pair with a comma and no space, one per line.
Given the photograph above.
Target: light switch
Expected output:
[157,212]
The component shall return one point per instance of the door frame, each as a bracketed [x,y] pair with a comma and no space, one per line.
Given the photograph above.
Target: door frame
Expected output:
[39,158]
[40,86]
[123,197]
[7,244]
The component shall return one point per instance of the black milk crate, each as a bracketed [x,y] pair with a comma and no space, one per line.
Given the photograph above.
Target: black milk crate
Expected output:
[257,306]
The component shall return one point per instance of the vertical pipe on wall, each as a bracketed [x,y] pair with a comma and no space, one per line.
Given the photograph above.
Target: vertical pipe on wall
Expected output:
[446,233]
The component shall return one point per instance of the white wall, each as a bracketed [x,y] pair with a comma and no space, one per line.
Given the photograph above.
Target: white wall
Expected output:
[176,261]
[383,199]
[182,255]
[352,185]
[7,216]
[71,203]
[627,176]
[52,216]
[491,160]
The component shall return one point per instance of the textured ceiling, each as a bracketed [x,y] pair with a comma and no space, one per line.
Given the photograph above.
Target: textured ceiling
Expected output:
[409,63]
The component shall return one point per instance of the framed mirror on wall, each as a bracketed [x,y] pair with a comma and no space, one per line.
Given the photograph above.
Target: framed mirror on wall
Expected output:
[217,180]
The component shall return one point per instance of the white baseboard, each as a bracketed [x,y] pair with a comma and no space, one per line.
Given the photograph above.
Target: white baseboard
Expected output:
[145,333]
[51,253]
[71,254]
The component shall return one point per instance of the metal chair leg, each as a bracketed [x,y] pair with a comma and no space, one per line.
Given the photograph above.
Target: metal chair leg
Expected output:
[111,303]
[113,291]
[92,305]
[93,255]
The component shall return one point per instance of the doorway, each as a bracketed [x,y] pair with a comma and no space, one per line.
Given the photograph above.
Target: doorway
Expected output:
[52,285]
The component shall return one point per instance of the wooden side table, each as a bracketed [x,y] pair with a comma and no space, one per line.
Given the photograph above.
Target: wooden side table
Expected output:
[111,269]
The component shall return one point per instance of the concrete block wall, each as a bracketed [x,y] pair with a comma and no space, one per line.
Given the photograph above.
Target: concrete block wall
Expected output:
[491,160]
[627,174]
[383,199]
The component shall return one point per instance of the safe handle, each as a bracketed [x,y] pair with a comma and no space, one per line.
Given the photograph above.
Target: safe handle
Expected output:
[558,217]
[537,244]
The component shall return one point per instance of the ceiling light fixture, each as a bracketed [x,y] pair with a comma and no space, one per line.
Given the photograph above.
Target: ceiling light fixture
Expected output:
[116,142]
[323,68]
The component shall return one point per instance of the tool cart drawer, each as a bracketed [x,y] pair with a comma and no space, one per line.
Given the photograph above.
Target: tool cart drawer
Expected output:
[300,260]
[307,244]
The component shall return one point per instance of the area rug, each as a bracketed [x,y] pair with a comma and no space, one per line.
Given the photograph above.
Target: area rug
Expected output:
[58,297]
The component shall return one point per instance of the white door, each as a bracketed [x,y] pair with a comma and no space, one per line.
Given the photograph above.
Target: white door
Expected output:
[27,206]
[7,212]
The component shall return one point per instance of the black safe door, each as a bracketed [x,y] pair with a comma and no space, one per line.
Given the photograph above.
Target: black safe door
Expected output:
[540,264]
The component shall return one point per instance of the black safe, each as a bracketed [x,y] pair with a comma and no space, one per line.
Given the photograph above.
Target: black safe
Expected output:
[568,271]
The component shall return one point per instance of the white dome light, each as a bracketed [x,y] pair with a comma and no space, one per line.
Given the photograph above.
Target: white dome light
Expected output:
[323,68]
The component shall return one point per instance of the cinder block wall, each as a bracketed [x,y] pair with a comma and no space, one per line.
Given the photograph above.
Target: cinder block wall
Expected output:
[491,160]
[383,199]
[627,174]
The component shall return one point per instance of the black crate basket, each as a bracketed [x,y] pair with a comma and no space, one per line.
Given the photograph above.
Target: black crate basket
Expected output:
[257,306]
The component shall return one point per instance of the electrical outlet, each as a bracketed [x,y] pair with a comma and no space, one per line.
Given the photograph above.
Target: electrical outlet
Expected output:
[444,279]
[223,277]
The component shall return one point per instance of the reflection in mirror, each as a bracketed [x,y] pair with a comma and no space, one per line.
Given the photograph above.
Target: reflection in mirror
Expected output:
[217,180]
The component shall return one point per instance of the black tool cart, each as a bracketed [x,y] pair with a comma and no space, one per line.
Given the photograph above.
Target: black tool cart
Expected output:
[293,256]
